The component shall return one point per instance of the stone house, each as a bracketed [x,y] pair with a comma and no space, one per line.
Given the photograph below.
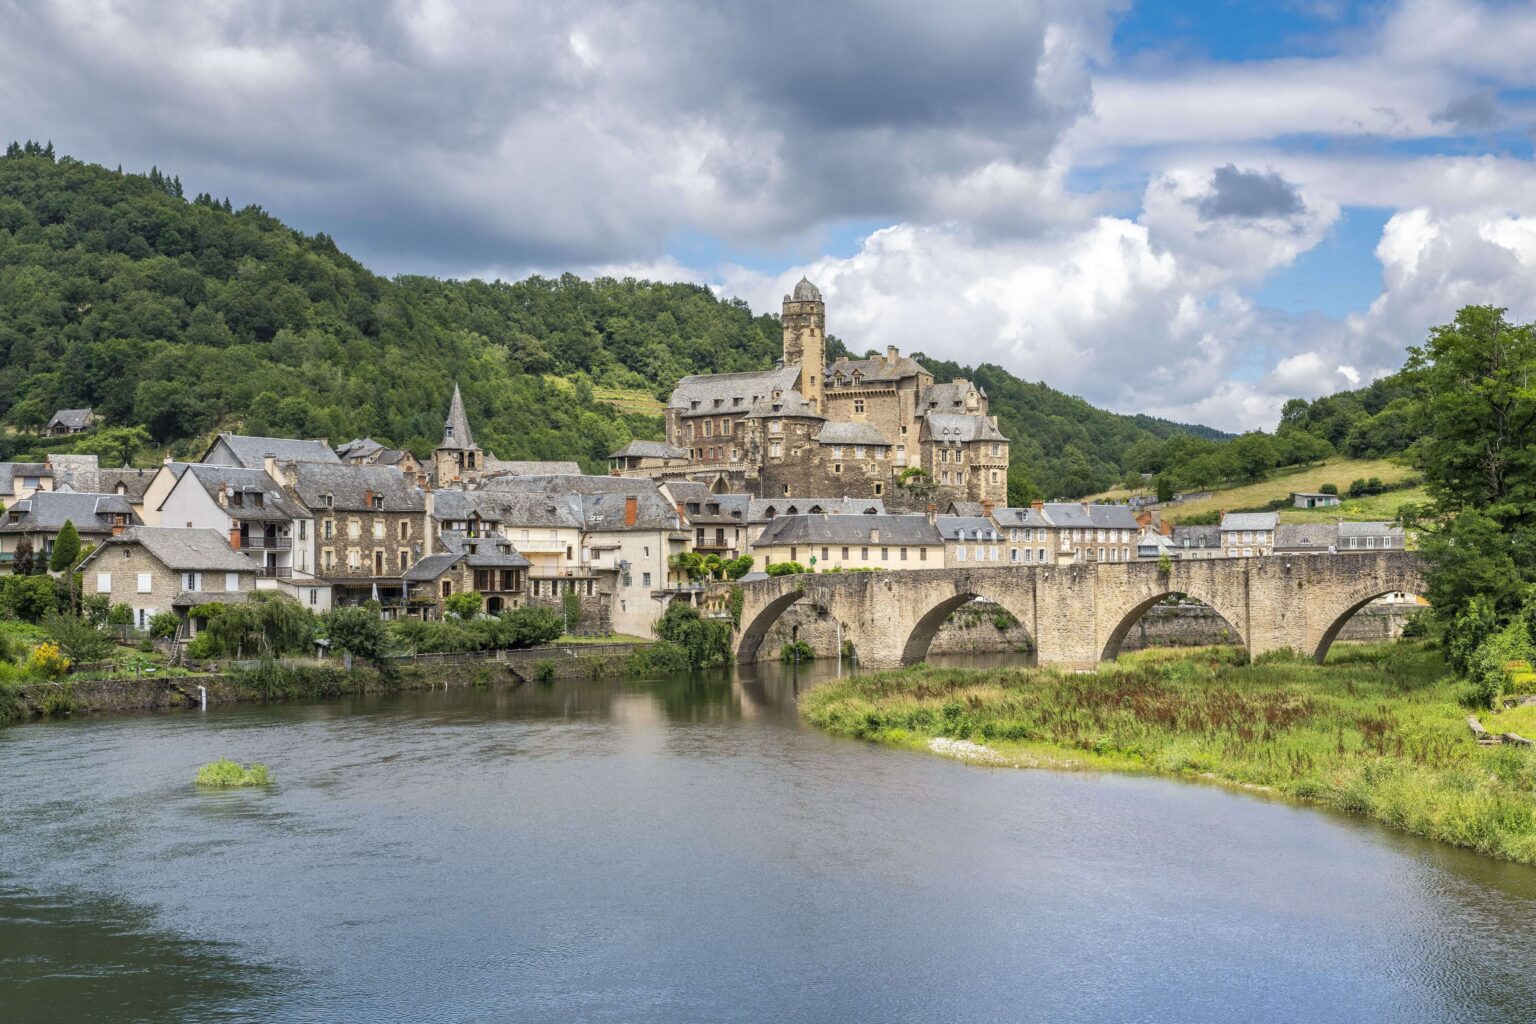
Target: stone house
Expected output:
[487,564]
[1193,542]
[971,541]
[365,451]
[38,520]
[1083,532]
[156,569]
[1028,535]
[718,522]
[252,452]
[70,421]
[1248,534]
[845,542]
[1371,536]
[370,525]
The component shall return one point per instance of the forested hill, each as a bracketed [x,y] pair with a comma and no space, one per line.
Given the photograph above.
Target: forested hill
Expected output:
[186,316]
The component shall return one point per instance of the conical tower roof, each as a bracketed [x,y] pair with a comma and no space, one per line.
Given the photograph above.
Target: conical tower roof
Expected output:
[456,430]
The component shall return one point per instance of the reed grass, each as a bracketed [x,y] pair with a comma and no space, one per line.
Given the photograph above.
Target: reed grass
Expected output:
[1378,731]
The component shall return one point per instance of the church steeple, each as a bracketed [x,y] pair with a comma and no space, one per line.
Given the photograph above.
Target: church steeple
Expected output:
[456,429]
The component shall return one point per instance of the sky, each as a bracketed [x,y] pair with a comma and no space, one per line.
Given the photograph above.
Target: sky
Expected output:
[1191,210]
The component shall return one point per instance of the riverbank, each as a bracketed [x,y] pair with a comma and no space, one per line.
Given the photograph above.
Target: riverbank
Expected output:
[1378,732]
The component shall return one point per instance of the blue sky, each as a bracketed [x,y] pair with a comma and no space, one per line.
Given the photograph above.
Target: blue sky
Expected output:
[1194,210]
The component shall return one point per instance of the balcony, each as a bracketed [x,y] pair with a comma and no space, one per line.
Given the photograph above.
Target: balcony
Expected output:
[535,546]
[266,543]
[560,572]
[278,572]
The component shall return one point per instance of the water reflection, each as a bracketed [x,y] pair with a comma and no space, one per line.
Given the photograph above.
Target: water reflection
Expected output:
[684,849]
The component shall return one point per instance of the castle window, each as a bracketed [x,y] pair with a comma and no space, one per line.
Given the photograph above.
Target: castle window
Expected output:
[858,405]
[775,450]
[858,451]
[879,489]
[709,428]
[775,426]
[725,426]
[837,467]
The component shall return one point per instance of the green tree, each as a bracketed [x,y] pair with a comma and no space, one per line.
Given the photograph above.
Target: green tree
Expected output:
[705,643]
[464,605]
[115,445]
[80,640]
[357,631]
[66,548]
[531,626]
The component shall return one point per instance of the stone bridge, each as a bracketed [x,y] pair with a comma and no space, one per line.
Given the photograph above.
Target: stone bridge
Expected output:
[1078,614]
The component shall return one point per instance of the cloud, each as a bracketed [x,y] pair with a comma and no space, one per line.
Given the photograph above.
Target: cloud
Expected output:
[1476,112]
[1249,195]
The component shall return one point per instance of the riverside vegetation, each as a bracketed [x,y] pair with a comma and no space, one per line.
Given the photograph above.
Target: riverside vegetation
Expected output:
[1379,731]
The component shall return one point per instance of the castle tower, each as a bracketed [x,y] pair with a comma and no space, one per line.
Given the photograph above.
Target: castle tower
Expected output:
[458,458]
[805,339]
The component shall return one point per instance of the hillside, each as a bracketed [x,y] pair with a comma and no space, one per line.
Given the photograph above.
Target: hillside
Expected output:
[1338,471]
[190,316]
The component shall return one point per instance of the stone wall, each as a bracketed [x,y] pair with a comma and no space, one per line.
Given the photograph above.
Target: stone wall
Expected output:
[596,612]
[1191,626]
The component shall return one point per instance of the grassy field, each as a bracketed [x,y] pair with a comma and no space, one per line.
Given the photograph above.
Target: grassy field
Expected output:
[1377,732]
[1375,507]
[1339,471]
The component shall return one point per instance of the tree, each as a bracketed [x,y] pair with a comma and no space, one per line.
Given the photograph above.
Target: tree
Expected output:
[66,548]
[529,627]
[77,638]
[266,624]
[1022,488]
[705,643]
[1253,456]
[466,604]
[359,632]
[1329,488]
[115,445]
[736,568]
[25,561]
[1164,487]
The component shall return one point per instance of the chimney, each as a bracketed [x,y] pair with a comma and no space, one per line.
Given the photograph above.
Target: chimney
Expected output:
[933,513]
[117,526]
[234,536]
[368,497]
[1037,505]
[890,354]
[986,508]
[269,463]
[632,509]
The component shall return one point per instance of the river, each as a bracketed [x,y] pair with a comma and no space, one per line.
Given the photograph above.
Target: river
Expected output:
[685,850]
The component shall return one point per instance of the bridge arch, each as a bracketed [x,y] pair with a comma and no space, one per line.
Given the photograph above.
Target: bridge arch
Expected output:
[1126,619]
[1337,617]
[755,631]
[927,626]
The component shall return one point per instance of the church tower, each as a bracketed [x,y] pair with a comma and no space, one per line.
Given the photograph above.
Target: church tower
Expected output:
[458,459]
[805,339]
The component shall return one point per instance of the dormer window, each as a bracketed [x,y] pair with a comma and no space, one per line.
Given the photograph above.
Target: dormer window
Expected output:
[328,500]
[259,499]
[237,499]
[378,501]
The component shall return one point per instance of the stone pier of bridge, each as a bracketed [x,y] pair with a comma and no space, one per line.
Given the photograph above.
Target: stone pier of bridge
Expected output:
[1078,614]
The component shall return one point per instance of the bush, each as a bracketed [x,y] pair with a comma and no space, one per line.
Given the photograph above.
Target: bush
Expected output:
[28,598]
[797,651]
[226,773]
[706,643]
[1489,667]
[570,604]
[163,625]
[544,671]
[529,627]
[661,658]
[204,647]
[465,604]
[357,631]
[48,661]
[786,569]
[80,641]
[120,615]
[1329,489]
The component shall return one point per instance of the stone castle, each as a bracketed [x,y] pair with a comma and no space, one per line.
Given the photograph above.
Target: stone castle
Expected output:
[873,427]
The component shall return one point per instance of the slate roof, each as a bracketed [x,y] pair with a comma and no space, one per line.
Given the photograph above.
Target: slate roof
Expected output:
[512,508]
[967,528]
[74,419]
[873,368]
[758,509]
[949,427]
[184,550]
[456,433]
[1250,521]
[1019,517]
[1369,529]
[359,448]
[737,392]
[77,472]
[838,432]
[963,508]
[531,468]
[431,567]
[845,529]
[805,291]
[650,450]
[134,482]
[47,511]
[1197,536]
[350,486]
[276,506]
[494,552]
[9,471]
[948,397]
[790,403]
[251,452]
[1075,515]
[1306,536]
[193,598]
[588,503]
[1159,544]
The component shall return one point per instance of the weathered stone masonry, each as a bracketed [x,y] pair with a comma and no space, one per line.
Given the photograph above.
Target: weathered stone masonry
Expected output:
[1079,614]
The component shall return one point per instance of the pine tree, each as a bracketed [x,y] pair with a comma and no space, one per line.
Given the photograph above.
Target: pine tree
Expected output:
[66,548]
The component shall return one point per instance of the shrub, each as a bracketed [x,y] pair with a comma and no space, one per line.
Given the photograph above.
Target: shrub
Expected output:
[661,658]
[529,627]
[1329,489]
[120,615]
[544,671]
[48,661]
[163,625]
[706,643]
[226,773]
[95,607]
[570,604]
[79,640]
[355,630]
[204,646]
[786,569]
[798,650]
[464,605]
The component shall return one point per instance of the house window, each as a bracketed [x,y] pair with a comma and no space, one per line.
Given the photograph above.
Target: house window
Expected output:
[328,559]
[191,581]
[231,582]
[354,529]
[405,529]
[960,553]
[858,405]
[645,580]
[903,554]
[845,554]
[329,501]
[879,489]
[145,584]
[864,554]
[327,529]
[885,554]
[314,596]
[922,554]
[378,529]
[709,428]
[103,583]
[837,467]
[354,560]
[774,451]
[1041,557]
[775,426]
